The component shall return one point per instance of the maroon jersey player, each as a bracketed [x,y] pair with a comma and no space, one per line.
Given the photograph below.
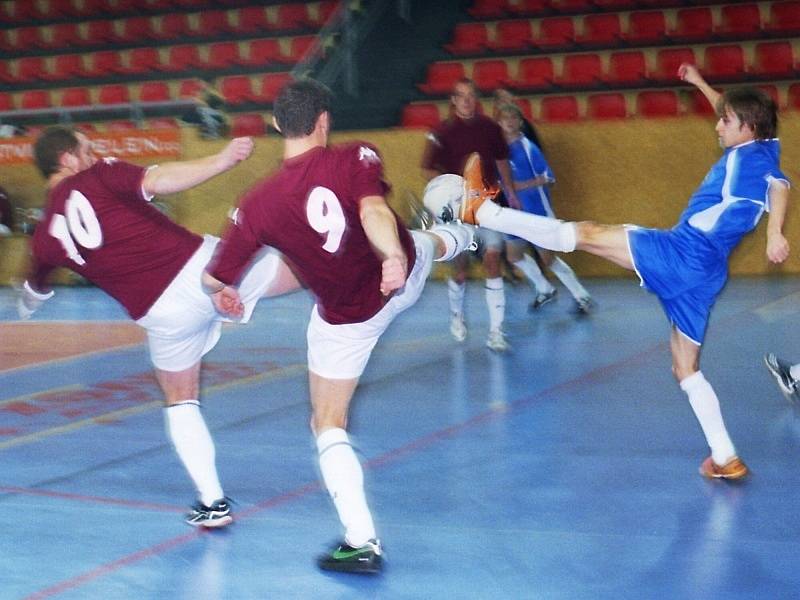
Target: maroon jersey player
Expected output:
[325,210]
[99,223]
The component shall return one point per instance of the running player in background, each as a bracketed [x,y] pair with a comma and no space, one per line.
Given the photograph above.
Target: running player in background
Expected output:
[686,266]
[532,179]
[99,223]
[325,210]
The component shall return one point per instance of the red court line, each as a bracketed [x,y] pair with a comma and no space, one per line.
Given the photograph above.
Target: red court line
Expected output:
[96,499]
[379,461]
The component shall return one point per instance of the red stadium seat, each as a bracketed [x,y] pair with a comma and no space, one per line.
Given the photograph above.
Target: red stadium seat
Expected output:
[154,91]
[190,88]
[646,27]
[774,59]
[66,35]
[534,72]
[793,96]
[113,93]
[223,55]
[513,35]
[490,74]
[33,99]
[236,89]
[693,24]
[253,19]
[606,106]
[76,97]
[143,60]
[271,84]
[581,70]
[421,115]
[263,52]
[489,9]
[469,38]
[292,16]
[31,68]
[100,32]
[213,23]
[698,104]
[739,20]
[104,64]
[601,29]
[6,101]
[442,76]
[559,108]
[626,68]
[300,48]
[667,62]
[657,103]
[172,26]
[555,32]
[784,18]
[248,125]
[326,10]
[6,76]
[181,58]
[724,62]
[134,30]
[30,38]
[529,8]
[68,66]
[772,92]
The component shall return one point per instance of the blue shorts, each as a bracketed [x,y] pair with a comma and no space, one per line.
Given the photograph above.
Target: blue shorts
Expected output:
[684,272]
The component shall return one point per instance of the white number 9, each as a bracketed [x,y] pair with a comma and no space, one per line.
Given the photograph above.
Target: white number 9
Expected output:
[325,215]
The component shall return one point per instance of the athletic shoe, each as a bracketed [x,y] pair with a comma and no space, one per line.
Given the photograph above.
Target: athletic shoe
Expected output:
[216,515]
[475,190]
[733,469]
[497,341]
[457,328]
[345,558]
[781,371]
[542,299]
[583,306]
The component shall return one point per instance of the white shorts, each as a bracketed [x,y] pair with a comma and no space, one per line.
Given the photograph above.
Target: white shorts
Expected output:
[183,324]
[342,351]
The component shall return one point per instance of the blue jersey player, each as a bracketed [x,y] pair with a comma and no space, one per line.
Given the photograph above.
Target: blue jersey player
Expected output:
[686,266]
[532,178]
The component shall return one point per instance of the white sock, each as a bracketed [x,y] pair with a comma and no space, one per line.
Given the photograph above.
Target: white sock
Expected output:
[344,479]
[567,276]
[544,232]
[455,295]
[496,301]
[530,268]
[456,237]
[192,441]
[706,408]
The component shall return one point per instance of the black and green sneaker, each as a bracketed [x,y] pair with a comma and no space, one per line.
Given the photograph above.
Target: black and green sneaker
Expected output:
[347,559]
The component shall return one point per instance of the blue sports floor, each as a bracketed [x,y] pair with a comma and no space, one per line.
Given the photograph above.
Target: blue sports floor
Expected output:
[565,469]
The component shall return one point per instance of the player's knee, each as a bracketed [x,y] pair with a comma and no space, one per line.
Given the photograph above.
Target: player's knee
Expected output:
[587,232]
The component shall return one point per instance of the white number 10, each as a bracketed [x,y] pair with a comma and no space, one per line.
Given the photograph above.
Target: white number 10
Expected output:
[325,215]
[79,225]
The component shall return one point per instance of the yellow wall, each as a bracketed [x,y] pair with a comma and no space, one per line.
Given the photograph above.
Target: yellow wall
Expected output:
[631,171]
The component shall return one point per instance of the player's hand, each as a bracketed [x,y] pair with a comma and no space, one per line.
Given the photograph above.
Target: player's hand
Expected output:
[690,74]
[777,248]
[393,274]
[228,302]
[237,150]
[29,301]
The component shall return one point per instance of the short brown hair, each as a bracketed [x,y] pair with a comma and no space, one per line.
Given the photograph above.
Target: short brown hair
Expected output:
[50,145]
[754,108]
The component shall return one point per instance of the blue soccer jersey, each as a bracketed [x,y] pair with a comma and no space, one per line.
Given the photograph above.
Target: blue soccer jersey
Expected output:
[687,266]
[527,162]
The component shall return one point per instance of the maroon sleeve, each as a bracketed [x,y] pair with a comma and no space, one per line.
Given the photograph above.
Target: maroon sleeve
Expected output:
[123,178]
[237,247]
[498,143]
[367,173]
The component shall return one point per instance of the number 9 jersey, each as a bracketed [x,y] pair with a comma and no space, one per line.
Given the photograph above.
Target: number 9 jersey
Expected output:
[309,210]
[99,224]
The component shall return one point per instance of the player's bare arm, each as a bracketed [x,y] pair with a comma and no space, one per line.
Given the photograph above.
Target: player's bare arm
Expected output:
[508,183]
[690,74]
[777,244]
[380,225]
[173,177]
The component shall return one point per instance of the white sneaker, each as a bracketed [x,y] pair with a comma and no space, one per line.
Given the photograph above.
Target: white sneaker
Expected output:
[497,341]
[457,328]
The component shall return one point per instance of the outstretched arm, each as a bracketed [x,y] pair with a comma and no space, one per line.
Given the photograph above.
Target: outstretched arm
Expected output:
[777,245]
[690,74]
[173,177]
[380,225]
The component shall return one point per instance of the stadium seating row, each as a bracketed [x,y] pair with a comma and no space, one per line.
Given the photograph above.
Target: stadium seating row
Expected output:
[625,68]
[258,53]
[604,105]
[292,15]
[236,89]
[248,21]
[694,24]
[497,9]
